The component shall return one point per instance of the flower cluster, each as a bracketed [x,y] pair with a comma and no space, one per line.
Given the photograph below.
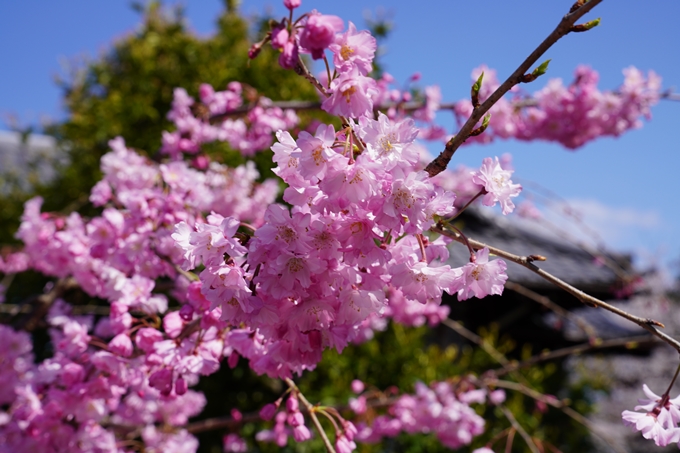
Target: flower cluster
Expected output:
[439,409]
[247,134]
[659,419]
[570,115]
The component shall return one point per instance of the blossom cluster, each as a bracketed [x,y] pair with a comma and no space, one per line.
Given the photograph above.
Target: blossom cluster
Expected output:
[440,409]
[247,134]
[659,419]
[569,115]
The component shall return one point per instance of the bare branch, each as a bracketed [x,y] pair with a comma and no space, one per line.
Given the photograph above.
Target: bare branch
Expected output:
[630,343]
[440,163]
[549,304]
[522,432]
[554,402]
[315,419]
[646,323]
[42,303]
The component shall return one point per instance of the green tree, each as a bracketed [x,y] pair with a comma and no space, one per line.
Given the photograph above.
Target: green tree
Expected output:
[129,91]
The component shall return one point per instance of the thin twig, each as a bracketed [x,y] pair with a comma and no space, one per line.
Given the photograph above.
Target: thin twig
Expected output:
[312,415]
[549,304]
[554,402]
[525,261]
[522,432]
[42,304]
[466,333]
[488,348]
[630,342]
[439,164]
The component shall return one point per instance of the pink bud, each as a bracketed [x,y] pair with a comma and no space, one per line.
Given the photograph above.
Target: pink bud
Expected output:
[162,381]
[344,445]
[180,386]
[146,338]
[319,33]
[173,324]
[236,415]
[206,92]
[121,345]
[357,386]
[232,361]
[296,419]
[292,404]
[268,412]
[201,162]
[350,429]
[292,4]
[186,312]
[290,55]
[301,433]
[358,405]
[279,37]
[497,396]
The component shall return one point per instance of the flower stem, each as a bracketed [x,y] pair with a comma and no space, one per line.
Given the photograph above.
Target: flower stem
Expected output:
[668,391]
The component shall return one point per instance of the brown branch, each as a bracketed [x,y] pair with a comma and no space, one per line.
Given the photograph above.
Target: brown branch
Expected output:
[554,402]
[312,415]
[648,324]
[439,164]
[42,303]
[99,310]
[466,333]
[522,432]
[549,304]
[630,343]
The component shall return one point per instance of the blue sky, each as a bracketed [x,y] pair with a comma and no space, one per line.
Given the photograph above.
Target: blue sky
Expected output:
[626,188]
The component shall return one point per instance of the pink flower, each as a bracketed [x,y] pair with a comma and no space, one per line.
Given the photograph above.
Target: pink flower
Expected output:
[301,433]
[268,411]
[343,444]
[351,95]
[279,37]
[319,33]
[289,56]
[354,49]
[121,345]
[390,143]
[315,153]
[357,386]
[482,277]
[292,4]
[660,419]
[234,443]
[497,184]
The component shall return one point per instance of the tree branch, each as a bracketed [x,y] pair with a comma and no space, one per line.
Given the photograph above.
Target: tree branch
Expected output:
[526,261]
[550,305]
[312,415]
[439,164]
[630,343]
[42,304]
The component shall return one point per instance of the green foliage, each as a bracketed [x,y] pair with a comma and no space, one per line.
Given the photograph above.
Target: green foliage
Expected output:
[128,91]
